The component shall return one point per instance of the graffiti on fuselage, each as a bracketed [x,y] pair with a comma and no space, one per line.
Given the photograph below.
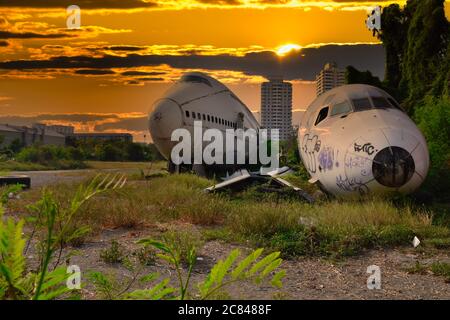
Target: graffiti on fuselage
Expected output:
[351,185]
[356,162]
[367,148]
[311,146]
[327,158]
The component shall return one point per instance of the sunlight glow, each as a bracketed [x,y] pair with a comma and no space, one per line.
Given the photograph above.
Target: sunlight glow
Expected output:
[285,49]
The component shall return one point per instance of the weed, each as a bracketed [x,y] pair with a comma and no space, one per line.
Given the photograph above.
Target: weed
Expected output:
[113,254]
[146,256]
[15,281]
[441,269]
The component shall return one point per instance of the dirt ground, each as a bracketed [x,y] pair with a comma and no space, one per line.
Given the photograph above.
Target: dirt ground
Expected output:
[307,278]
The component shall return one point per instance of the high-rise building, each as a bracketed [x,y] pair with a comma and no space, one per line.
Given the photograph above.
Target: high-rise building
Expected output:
[329,77]
[276,106]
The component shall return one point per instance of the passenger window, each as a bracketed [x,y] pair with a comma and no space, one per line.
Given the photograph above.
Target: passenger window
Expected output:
[187,113]
[199,116]
[193,115]
[204,117]
[209,118]
[322,115]
[361,104]
[381,103]
[340,108]
[215,119]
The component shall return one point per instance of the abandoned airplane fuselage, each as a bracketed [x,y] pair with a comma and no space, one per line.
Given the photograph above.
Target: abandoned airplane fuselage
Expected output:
[353,140]
[356,140]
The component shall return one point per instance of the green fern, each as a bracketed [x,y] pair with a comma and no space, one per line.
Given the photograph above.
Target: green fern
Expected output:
[12,262]
[249,269]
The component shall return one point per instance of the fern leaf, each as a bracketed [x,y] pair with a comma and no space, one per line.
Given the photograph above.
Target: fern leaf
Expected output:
[244,264]
[262,263]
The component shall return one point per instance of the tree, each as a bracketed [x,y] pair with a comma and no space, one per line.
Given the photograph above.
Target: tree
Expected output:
[416,42]
[352,75]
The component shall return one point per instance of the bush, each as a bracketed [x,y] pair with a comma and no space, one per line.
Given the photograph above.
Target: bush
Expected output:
[433,119]
[51,156]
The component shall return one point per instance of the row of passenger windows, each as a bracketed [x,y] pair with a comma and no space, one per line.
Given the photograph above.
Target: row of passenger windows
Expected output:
[213,119]
[358,105]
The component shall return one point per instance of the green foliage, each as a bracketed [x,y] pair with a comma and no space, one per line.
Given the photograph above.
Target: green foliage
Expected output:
[9,190]
[113,254]
[182,242]
[228,271]
[433,118]
[56,222]
[146,256]
[222,274]
[416,41]
[352,75]
[441,269]
[58,157]
[117,150]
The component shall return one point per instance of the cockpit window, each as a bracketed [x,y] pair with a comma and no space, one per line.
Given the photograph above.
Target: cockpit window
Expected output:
[196,79]
[361,104]
[322,115]
[341,108]
[395,104]
[381,103]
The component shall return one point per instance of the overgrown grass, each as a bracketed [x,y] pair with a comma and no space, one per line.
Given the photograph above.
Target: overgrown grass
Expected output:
[14,165]
[331,228]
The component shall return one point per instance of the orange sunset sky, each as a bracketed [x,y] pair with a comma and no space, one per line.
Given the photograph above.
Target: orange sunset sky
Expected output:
[106,75]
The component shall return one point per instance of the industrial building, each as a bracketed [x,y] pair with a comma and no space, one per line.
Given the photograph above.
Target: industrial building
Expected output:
[30,135]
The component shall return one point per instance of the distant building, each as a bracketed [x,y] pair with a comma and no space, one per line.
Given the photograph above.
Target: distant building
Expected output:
[103,136]
[64,130]
[28,136]
[329,77]
[276,106]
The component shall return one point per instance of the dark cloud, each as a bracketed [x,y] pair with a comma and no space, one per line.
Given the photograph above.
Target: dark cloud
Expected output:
[151,79]
[83,4]
[4,43]
[31,35]
[127,124]
[74,117]
[142,73]
[302,64]
[124,48]
[94,72]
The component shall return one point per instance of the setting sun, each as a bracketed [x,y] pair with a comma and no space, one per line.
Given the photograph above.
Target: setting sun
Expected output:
[285,49]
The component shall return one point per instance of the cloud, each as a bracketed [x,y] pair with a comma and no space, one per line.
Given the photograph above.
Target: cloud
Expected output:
[142,73]
[127,124]
[303,64]
[124,48]
[87,4]
[94,72]
[31,35]
[114,5]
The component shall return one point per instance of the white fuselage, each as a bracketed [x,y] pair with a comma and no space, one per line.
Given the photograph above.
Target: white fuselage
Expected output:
[197,97]
[355,140]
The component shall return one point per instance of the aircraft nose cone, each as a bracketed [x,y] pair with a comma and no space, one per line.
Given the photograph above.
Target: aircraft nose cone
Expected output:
[165,118]
[393,167]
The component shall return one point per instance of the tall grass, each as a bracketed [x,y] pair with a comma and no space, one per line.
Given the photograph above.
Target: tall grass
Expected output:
[330,228]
